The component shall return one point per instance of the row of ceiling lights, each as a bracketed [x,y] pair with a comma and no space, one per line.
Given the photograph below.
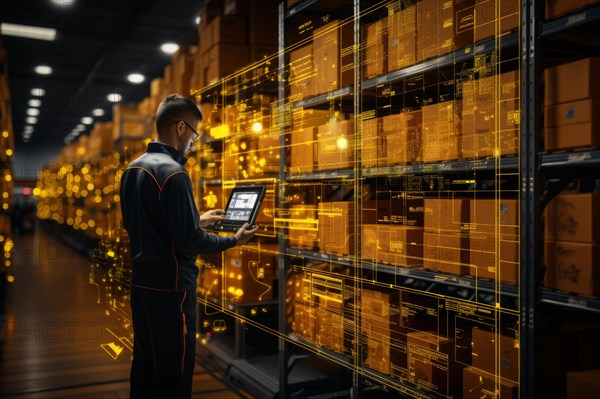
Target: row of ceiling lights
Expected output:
[33,112]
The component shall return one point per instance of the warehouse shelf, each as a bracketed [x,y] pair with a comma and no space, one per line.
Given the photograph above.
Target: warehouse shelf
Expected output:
[345,260]
[511,39]
[296,9]
[328,353]
[227,304]
[401,386]
[442,278]
[578,19]
[510,163]
[322,98]
[580,302]
[324,175]
[575,159]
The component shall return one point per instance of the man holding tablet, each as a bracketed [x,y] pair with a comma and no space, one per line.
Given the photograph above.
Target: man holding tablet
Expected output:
[166,236]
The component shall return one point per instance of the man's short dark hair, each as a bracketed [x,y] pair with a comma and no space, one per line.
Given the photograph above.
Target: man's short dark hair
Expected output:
[174,108]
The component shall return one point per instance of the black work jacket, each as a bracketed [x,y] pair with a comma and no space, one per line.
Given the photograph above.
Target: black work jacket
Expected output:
[162,220]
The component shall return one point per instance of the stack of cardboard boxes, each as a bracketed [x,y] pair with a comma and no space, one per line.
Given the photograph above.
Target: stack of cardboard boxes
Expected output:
[557,8]
[336,227]
[572,105]
[572,235]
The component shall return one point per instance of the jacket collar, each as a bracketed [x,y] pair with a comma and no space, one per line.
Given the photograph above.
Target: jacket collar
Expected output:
[157,147]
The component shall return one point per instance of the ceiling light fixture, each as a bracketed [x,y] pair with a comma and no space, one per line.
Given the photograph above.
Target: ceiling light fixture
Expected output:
[33,112]
[32,120]
[38,92]
[198,20]
[114,97]
[136,78]
[35,103]
[28,129]
[98,112]
[169,48]
[43,69]
[80,127]
[28,31]
[63,3]
[86,120]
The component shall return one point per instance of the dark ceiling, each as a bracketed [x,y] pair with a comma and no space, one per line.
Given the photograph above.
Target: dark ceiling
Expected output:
[98,43]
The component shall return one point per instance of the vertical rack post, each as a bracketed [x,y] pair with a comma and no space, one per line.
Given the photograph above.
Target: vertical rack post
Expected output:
[282,261]
[530,198]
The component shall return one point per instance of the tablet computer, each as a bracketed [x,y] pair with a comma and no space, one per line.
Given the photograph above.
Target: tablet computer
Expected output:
[242,207]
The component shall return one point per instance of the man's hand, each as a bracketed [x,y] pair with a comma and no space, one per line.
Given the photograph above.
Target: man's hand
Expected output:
[243,235]
[212,216]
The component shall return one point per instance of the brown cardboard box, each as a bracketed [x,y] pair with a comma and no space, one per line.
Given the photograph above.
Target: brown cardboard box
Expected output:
[441,131]
[446,215]
[572,81]
[328,292]
[126,121]
[575,112]
[381,307]
[408,212]
[403,131]
[435,27]
[464,23]
[583,384]
[101,140]
[478,384]
[490,128]
[303,226]
[573,217]
[402,38]
[571,136]
[487,214]
[330,330]
[431,363]
[373,143]
[248,273]
[484,358]
[376,45]
[487,25]
[305,320]
[224,59]
[446,253]
[302,156]
[396,245]
[556,8]
[333,56]
[334,145]
[336,227]
[573,266]
[485,254]
[302,72]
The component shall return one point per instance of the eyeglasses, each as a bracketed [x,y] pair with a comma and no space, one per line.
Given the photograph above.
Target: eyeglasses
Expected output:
[193,130]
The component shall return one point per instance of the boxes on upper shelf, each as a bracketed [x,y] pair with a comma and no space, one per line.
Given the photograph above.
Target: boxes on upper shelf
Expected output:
[556,8]
[376,46]
[573,267]
[402,38]
[573,217]
[572,125]
[333,54]
[495,17]
[302,72]
[335,145]
[127,122]
[441,131]
[336,227]
[403,131]
[572,81]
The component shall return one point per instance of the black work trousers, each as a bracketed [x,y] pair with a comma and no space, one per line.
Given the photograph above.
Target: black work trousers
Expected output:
[164,346]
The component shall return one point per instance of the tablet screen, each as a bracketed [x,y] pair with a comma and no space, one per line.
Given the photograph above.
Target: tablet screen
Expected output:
[241,206]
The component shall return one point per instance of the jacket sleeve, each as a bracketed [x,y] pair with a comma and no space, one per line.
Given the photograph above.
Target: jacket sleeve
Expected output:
[182,218]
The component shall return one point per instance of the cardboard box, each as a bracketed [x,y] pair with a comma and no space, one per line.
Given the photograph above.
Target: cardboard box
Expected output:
[583,384]
[403,131]
[435,26]
[302,152]
[484,346]
[394,211]
[330,330]
[491,116]
[328,292]
[375,50]
[446,253]
[486,254]
[489,217]
[441,131]
[571,113]
[373,143]
[431,363]
[579,135]
[478,384]
[335,145]
[396,245]
[305,321]
[333,46]
[464,23]
[302,72]
[336,227]
[302,230]
[572,81]
[224,59]
[493,17]
[573,267]
[101,140]
[402,38]
[446,215]
[127,122]
[248,273]
[572,125]
[556,8]
[573,217]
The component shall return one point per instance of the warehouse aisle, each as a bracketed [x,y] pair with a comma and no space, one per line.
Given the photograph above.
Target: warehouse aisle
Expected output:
[55,329]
